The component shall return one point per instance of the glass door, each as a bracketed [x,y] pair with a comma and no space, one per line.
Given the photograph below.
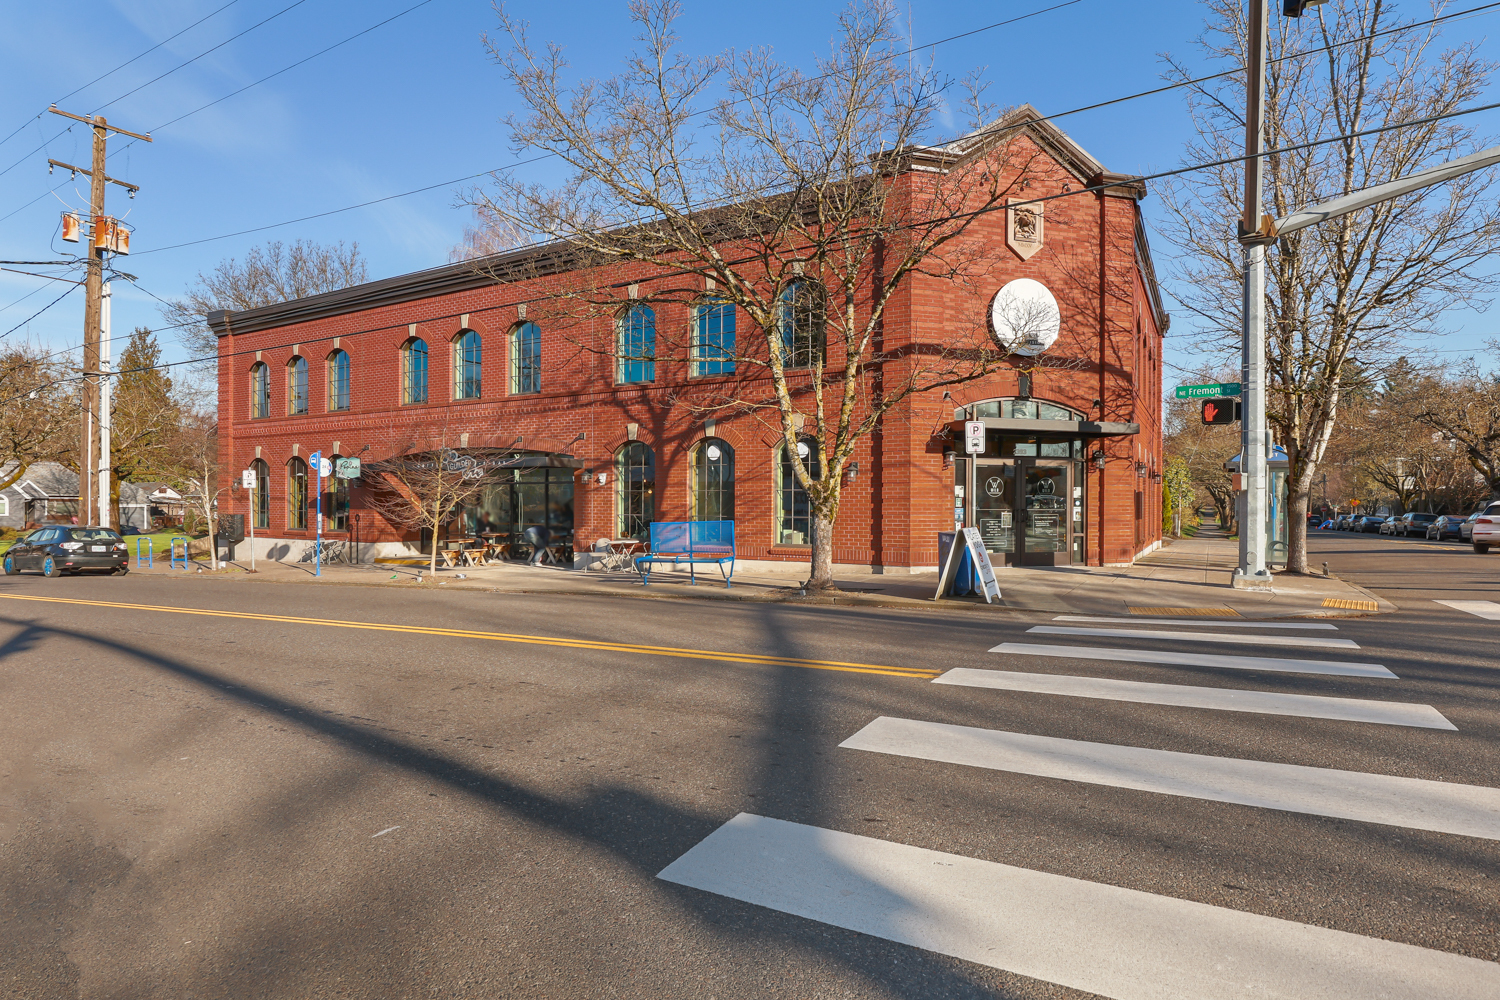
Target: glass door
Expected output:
[995,507]
[1044,534]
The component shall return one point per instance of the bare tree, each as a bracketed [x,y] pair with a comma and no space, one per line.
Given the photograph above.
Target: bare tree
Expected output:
[1464,408]
[802,200]
[1361,286]
[189,463]
[40,411]
[274,273]
[422,489]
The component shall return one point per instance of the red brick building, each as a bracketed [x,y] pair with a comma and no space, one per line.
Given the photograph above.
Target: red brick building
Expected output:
[593,447]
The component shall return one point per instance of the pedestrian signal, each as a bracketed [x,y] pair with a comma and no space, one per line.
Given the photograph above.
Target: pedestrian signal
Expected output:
[1221,411]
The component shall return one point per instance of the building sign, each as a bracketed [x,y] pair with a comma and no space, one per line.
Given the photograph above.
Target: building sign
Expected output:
[1024,317]
[347,468]
[1024,226]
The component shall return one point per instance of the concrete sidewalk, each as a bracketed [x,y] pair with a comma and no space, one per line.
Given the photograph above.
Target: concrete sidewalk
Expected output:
[1186,577]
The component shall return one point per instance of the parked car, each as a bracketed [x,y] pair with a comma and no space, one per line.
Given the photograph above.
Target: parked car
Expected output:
[1370,525]
[57,549]
[1446,526]
[1412,522]
[1387,525]
[1485,530]
[1466,527]
[1344,522]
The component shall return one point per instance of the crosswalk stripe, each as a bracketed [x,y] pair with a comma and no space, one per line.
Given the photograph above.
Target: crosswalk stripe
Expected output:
[1236,623]
[1191,659]
[1416,803]
[1102,939]
[1389,713]
[1246,640]
[1482,609]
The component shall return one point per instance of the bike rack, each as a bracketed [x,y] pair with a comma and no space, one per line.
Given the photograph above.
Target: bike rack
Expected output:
[172,551]
[150,553]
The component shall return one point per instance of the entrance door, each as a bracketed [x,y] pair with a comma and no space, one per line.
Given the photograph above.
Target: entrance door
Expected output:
[1044,535]
[995,508]
[1021,510]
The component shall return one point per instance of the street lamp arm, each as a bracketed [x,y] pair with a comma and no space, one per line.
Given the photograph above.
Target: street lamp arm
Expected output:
[1303,218]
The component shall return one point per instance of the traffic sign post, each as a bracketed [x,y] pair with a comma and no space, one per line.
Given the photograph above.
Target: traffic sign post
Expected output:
[248,481]
[316,461]
[974,437]
[1212,390]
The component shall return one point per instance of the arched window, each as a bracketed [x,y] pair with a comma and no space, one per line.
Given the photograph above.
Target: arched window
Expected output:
[296,386]
[466,358]
[635,335]
[296,495]
[803,322]
[414,371]
[713,337]
[260,390]
[338,381]
[713,481]
[336,499]
[260,495]
[526,358]
[793,510]
[635,471]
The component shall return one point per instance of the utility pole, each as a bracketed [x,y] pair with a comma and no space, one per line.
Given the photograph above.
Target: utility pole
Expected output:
[93,446]
[1254,438]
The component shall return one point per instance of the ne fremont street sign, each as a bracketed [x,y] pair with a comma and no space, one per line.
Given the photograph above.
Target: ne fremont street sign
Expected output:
[1217,389]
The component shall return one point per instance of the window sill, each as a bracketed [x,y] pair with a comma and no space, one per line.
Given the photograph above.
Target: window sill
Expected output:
[789,550]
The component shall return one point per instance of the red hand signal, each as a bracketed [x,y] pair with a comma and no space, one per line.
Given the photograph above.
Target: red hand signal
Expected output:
[1210,412]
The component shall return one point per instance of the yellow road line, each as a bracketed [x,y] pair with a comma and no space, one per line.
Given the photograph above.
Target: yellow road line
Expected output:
[539,640]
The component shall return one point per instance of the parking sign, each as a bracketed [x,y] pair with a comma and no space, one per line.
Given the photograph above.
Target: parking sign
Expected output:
[974,437]
[247,479]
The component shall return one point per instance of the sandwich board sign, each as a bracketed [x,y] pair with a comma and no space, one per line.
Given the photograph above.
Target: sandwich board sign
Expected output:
[971,544]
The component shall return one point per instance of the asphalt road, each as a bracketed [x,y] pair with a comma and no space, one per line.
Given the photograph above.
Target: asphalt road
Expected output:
[1409,572]
[267,802]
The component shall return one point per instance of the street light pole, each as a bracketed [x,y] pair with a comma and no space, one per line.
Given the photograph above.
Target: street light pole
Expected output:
[1254,439]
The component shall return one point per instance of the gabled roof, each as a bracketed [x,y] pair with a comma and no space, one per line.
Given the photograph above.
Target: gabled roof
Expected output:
[553,258]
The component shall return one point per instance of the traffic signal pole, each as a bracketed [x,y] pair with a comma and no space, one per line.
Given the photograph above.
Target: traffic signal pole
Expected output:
[1255,438]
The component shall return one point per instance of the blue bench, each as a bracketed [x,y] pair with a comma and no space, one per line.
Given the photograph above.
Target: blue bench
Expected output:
[690,542]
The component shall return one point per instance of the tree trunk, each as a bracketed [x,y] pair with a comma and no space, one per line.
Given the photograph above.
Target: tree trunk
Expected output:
[1296,530]
[822,552]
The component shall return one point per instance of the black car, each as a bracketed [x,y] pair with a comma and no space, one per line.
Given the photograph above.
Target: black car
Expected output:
[58,549]
[1370,525]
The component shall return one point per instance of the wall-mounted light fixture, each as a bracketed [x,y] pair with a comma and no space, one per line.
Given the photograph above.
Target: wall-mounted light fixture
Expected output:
[949,455]
[853,471]
[1099,459]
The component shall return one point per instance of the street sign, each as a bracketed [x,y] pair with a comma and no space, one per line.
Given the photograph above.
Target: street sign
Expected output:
[347,468]
[325,467]
[1207,391]
[313,460]
[247,479]
[974,437]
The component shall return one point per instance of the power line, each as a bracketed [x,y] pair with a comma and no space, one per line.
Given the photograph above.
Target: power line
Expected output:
[28,319]
[257,24]
[1086,189]
[151,81]
[122,65]
[982,133]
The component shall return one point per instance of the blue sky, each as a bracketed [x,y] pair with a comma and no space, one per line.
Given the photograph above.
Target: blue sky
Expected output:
[416,102]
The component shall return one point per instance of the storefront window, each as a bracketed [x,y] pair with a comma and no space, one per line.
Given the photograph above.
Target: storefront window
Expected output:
[1021,409]
[713,481]
[794,511]
[336,501]
[296,495]
[636,475]
[260,497]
